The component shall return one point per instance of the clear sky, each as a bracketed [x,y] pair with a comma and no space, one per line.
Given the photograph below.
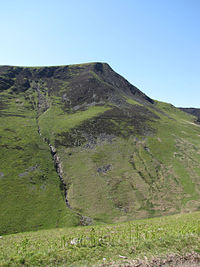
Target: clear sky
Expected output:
[155,44]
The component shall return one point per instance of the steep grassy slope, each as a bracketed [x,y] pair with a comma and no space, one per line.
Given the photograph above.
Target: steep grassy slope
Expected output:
[121,154]
[30,195]
[136,176]
[120,244]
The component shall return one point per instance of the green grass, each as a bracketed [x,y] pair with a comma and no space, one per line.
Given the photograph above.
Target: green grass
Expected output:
[55,120]
[176,145]
[149,176]
[30,195]
[132,101]
[91,246]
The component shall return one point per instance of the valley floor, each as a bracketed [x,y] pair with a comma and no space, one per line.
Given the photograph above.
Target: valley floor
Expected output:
[165,241]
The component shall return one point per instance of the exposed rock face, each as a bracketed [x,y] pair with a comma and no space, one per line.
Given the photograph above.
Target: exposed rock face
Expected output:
[104,168]
[59,171]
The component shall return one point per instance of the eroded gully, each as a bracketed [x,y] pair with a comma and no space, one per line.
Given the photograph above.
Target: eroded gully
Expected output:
[84,220]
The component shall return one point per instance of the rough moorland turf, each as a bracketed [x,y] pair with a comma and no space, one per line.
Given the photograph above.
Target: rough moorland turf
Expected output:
[104,245]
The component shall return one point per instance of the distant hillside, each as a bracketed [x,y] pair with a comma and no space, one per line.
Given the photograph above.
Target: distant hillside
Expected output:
[81,145]
[193,111]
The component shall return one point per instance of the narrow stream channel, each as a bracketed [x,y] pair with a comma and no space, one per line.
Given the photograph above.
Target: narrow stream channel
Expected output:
[57,165]
[84,220]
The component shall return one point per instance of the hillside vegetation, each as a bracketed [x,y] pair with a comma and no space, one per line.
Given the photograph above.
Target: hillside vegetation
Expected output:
[83,135]
[156,241]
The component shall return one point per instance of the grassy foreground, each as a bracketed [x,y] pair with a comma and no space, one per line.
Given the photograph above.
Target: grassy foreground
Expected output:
[93,245]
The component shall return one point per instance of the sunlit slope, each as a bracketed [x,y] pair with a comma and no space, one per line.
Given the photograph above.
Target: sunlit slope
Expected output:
[177,147]
[128,171]
[30,195]
[122,155]
[167,238]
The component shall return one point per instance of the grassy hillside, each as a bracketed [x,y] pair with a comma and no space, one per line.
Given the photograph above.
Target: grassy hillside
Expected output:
[30,195]
[132,175]
[106,245]
[121,155]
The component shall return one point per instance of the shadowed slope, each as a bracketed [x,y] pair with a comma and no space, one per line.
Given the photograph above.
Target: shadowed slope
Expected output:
[192,111]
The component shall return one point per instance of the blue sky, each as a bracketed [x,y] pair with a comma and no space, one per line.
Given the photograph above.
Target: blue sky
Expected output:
[155,44]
